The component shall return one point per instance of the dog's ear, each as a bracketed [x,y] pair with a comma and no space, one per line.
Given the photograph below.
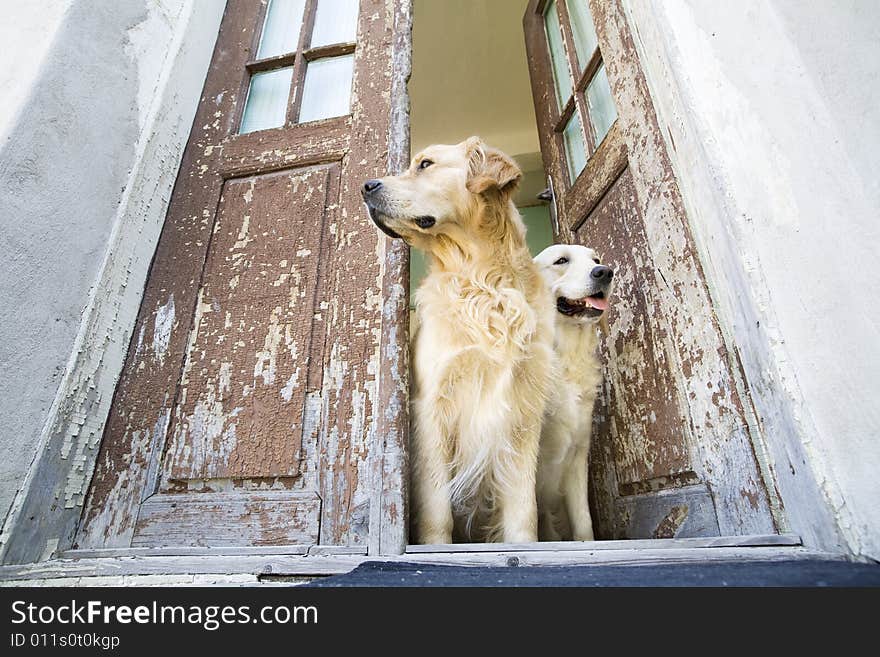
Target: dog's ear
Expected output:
[490,171]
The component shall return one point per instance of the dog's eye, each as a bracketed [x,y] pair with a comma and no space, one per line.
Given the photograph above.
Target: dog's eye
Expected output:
[424,164]
[596,260]
[561,261]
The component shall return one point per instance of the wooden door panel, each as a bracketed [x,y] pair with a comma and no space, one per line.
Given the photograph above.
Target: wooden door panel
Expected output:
[229,519]
[669,513]
[672,453]
[244,414]
[252,359]
[646,424]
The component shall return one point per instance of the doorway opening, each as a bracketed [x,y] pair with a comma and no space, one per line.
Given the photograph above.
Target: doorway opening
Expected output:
[672,454]
[470,76]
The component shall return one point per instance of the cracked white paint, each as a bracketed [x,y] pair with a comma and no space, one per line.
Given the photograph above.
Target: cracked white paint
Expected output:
[162,326]
[291,385]
[140,342]
[267,357]
[249,193]
[210,433]
[244,237]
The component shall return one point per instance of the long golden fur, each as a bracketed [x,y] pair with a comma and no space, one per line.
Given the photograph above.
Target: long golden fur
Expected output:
[482,353]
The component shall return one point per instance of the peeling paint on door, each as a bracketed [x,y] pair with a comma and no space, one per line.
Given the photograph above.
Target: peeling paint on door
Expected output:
[669,425]
[265,315]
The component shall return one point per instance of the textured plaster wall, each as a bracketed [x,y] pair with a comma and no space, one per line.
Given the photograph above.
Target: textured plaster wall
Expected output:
[772,113]
[27,39]
[104,103]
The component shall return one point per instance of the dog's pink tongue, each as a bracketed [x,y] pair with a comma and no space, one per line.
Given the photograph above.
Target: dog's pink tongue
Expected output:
[598,304]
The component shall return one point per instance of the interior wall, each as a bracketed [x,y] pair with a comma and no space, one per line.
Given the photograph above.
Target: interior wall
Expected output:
[86,172]
[772,110]
[470,75]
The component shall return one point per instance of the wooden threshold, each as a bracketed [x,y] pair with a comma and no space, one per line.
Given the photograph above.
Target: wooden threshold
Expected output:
[636,544]
[242,566]
[275,550]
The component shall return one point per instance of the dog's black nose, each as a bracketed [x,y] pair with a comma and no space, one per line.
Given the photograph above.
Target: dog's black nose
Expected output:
[372,185]
[602,273]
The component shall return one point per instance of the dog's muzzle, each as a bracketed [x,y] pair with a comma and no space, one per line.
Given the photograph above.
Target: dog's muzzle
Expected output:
[586,307]
[593,304]
[370,193]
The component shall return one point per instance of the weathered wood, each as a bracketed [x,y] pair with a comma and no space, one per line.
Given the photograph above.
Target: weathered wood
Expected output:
[330,550]
[606,164]
[546,113]
[390,464]
[299,70]
[354,364]
[181,551]
[227,519]
[700,358]
[143,402]
[670,414]
[334,50]
[547,546]
[293,565]
[646,424]
[643,544]
[176,579]
[245,382]
[681,513]
[317,142]
[271,320]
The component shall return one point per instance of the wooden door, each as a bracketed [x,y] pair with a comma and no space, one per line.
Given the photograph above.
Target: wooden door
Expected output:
[672,451]
[248,410]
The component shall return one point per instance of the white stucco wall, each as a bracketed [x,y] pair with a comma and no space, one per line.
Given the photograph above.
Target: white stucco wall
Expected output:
[27,32]
[98,105]
[772,113]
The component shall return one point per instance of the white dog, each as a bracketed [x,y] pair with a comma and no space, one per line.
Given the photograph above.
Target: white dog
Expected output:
[483,353]
[581,286]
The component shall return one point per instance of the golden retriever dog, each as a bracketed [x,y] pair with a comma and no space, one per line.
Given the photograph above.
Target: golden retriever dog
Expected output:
[581,287]
[482,353]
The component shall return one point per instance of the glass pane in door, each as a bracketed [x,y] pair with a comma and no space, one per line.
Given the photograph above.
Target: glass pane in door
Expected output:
[585,41]
[335,22]
[281,28]
[575,149]
[601,104]
[266,105]
[327,89]
[557,54]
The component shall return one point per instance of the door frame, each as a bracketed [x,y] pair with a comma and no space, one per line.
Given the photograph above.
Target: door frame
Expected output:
[389,503]
[803,504]
[74,410]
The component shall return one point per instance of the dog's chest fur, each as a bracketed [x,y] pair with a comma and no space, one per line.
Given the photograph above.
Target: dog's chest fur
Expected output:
[483,351]
[580,367]
[474,311]
[578,374]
